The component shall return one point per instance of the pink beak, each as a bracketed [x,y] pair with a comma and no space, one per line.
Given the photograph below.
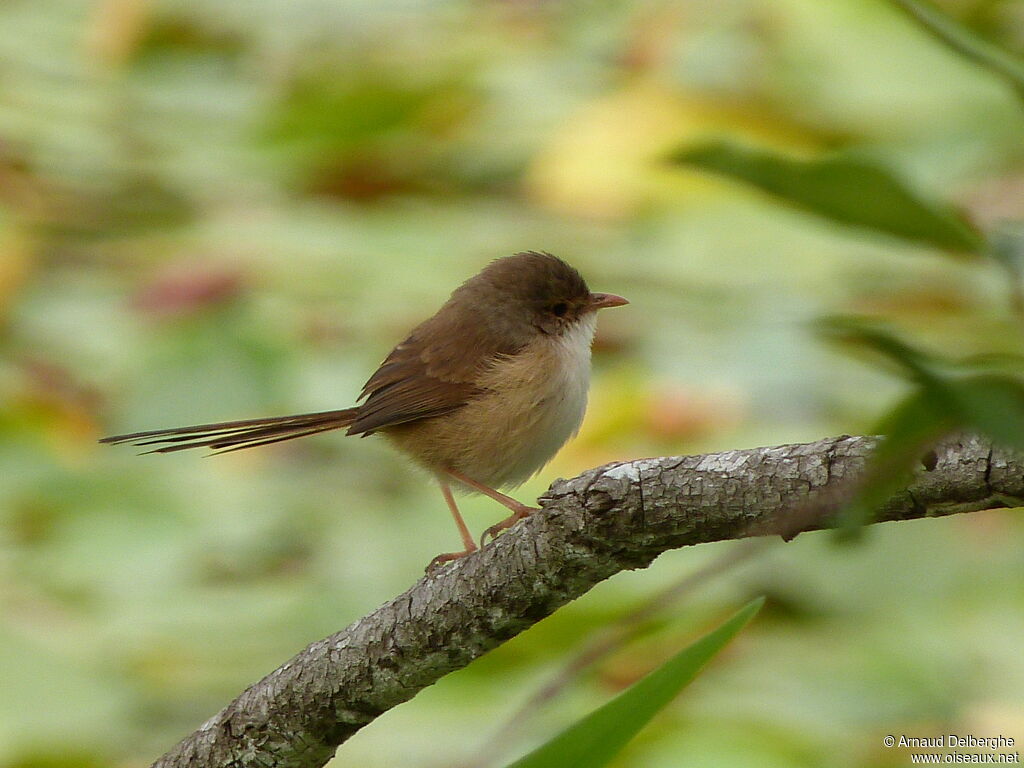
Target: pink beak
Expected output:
[604,300]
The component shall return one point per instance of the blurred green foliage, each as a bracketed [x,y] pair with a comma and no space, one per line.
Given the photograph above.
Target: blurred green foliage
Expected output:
[843,188]
[213,210]
[596,739]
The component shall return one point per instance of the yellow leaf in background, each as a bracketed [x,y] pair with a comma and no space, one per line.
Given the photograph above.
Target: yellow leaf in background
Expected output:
[15,263]
[115,30]
[608,160]
[991,717]
[54,407]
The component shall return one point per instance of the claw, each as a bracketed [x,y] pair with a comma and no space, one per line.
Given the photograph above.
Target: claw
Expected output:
[508,522]
[446,557]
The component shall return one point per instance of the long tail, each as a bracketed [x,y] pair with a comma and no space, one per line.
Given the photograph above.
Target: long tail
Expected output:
[234,435]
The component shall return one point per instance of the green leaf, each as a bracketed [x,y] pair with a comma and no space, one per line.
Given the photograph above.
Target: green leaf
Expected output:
[949,395]
[867,334]
[991,404]
[966,42]
[909,430]
[598,737]
[847,188]
[984,394]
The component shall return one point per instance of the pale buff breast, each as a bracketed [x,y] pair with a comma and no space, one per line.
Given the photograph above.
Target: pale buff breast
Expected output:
[535,403]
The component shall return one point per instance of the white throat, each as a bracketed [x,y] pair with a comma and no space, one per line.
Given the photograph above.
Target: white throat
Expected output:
[575,350]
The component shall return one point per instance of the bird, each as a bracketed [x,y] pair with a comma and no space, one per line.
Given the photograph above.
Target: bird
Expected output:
[481,395]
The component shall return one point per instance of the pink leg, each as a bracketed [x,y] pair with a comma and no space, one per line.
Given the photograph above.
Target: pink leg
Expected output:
[519,510]
[467,537]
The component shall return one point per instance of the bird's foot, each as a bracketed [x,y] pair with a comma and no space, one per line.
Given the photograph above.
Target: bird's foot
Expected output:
[517,515]
[447,557]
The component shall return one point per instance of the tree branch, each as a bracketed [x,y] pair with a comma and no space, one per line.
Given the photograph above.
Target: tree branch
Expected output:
[612,518]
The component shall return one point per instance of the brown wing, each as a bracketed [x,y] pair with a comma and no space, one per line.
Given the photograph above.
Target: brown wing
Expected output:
[431,373]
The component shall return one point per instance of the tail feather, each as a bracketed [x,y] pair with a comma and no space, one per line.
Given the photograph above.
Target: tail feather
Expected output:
[235,435]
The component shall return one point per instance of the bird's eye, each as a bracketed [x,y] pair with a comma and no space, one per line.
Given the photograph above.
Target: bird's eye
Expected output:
[560,308]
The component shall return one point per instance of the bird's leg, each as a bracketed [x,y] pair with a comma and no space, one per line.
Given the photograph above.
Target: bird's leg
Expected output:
[519,510]
[467,537]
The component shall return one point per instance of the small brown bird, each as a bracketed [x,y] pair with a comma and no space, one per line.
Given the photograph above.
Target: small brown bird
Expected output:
[484,393]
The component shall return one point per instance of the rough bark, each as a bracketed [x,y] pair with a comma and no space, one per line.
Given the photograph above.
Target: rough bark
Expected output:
[612,518]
